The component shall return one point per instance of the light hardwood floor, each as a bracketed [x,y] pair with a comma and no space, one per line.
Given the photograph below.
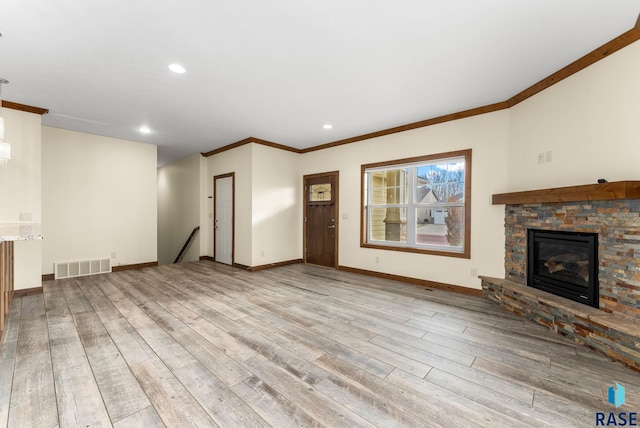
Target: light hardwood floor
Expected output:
[203,344]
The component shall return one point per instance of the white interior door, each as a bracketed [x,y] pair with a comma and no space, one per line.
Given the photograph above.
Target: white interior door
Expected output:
[223,221]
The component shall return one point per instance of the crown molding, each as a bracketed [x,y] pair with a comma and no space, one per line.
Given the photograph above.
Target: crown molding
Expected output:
[592,57]
[249,140]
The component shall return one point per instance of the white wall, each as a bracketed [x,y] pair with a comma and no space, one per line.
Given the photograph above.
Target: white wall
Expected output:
[20,187]
[178,209]
[589,121]
[206,208]
[99,199]
[487,136]
[276,206]
[239,161]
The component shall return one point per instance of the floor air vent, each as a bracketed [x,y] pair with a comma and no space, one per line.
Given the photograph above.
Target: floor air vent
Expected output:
[81,268]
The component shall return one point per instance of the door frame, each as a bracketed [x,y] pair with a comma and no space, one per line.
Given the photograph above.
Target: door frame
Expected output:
[233,214]
[305,199]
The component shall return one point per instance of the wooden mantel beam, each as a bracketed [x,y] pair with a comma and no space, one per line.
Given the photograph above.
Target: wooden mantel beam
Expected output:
[587,192]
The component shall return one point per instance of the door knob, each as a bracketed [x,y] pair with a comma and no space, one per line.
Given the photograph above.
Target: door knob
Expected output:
[331,226]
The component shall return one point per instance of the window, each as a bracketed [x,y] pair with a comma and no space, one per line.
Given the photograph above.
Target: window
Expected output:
[420,204]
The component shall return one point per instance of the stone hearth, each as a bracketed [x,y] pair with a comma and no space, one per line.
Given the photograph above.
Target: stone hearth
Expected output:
[612,210]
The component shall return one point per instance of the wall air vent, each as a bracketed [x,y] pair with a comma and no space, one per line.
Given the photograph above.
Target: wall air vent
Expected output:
[81,268]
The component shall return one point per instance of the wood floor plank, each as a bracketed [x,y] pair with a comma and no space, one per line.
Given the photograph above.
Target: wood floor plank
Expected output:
[417,348]
[205,352]
[78,396]
[76,300]
[320,343]
[222,404]
[100,303]
[386,328]
[8,349]
[523,413]
[602,369]
[33,399]
[578,415]
[281,337]
[165,346]
[436,324]
[498,352]
[282,357]
[546,343]
[272,406]
[130,344]
[175,406]
[317,405]
[32,306]
[121,392]
[147,417]
[396,399]
[364,403]
[546,385]
[452,404]
[390,357]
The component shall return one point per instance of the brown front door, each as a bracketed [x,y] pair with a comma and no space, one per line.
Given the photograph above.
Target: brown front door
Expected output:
[321,219]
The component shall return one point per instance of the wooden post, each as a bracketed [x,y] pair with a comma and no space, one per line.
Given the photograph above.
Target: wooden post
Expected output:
[6,280]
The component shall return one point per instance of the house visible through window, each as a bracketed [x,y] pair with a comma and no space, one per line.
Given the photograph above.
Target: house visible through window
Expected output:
[419,204]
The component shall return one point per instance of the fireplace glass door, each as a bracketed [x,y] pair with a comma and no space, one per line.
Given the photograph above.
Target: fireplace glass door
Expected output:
[564,263]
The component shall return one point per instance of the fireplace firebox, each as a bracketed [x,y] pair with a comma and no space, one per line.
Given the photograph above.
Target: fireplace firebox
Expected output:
[564,263]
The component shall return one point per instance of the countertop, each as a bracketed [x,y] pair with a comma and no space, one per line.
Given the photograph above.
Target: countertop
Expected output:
[20,231]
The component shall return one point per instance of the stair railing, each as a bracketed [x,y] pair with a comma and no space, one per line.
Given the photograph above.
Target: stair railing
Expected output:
[187,243]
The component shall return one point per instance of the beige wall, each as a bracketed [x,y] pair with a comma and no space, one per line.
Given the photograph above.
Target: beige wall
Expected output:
[589,121]
[238,161]
[268,210]
[100,198]
[487,136]
[276,206]
[20,187]
[178,209]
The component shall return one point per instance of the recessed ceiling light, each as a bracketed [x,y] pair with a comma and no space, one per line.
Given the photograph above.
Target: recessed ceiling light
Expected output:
[177,68]
[327,126]
[144,129]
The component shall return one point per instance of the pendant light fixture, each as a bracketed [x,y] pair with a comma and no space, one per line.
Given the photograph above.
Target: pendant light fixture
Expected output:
[5,148]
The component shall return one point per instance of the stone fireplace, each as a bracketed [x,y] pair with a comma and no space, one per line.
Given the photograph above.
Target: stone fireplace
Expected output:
[610,212]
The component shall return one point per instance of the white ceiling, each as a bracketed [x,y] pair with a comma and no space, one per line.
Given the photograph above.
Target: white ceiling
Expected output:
[280,69]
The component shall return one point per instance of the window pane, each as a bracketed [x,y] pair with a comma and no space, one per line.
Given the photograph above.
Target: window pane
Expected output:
[388,224]
[320,192]
[441,182]
[389,187]
[441,226]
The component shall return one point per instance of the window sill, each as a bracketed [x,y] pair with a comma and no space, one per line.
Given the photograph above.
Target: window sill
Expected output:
[466,254]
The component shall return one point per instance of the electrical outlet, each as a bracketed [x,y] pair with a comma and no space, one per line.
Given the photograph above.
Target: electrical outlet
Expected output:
[377,259]
[25,216]
[540,158]
[113,256]
[474,272]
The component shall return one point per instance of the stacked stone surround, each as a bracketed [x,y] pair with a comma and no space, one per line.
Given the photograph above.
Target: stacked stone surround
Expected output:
[614,328]
[617,224]
[614,335]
